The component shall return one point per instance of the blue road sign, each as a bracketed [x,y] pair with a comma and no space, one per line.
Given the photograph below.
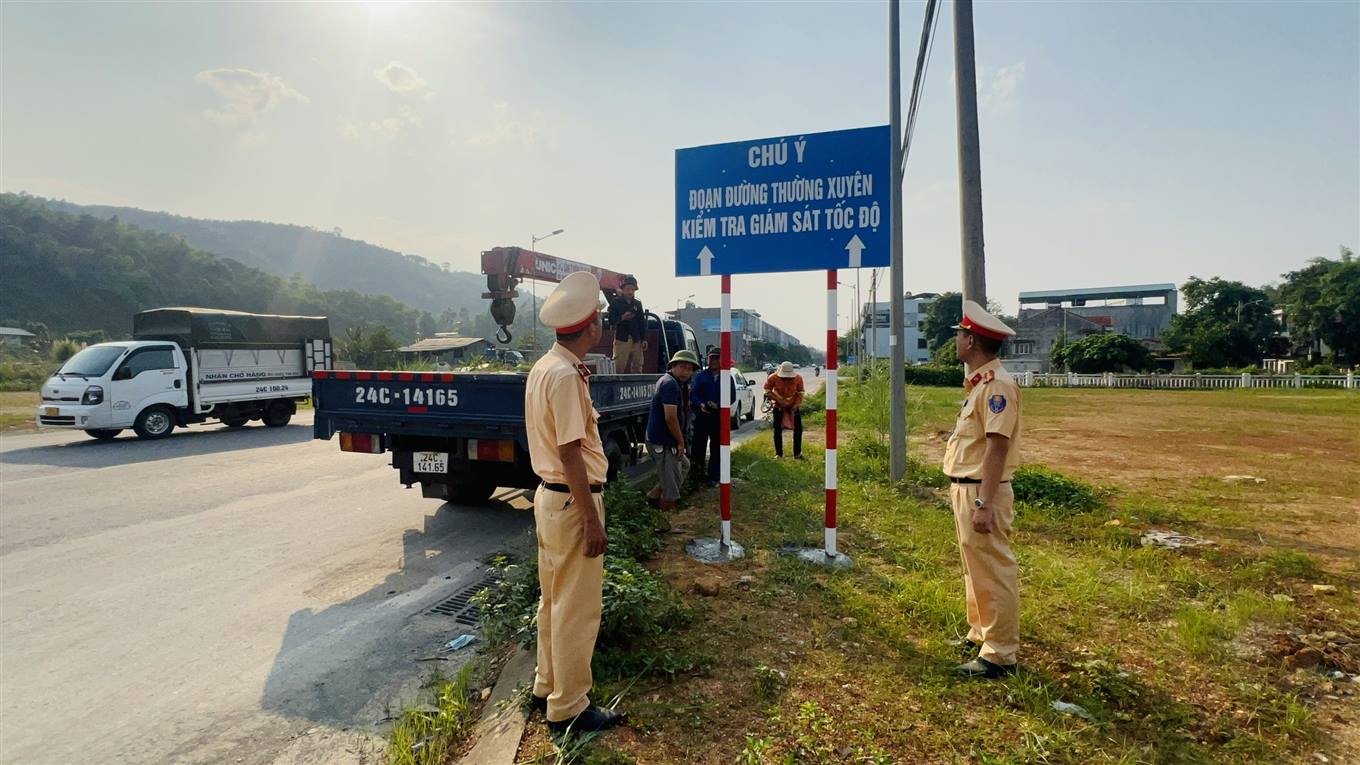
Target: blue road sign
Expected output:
[790,203]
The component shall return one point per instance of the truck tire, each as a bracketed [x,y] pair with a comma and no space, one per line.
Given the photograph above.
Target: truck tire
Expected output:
[751,415]
[736,416]
[471,493]
[277,414]
[614,454]
[235,421]
[154,422]
[104,434]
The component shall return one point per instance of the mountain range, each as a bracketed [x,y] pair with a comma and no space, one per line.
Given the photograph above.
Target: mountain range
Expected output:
[323,258]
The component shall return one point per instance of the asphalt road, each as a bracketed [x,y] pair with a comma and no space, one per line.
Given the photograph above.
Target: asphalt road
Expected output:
[240,597]
[248,596]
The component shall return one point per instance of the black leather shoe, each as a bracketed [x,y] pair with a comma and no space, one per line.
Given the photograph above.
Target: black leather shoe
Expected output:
[591,720]
[538,703]
[986,670]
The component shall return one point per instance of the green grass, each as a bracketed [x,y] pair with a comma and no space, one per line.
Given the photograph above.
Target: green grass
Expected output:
[430,733]
[1145,639]
[1162,649]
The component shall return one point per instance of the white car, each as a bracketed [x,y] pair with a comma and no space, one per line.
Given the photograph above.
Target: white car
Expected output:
[744,407]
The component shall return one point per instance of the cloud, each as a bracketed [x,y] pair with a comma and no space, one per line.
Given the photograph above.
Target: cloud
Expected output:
[997,88]
[245,95]
[506,129]
[400,78]
[387,128]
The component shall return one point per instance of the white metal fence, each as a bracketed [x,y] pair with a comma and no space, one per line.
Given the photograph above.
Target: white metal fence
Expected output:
[1190,381]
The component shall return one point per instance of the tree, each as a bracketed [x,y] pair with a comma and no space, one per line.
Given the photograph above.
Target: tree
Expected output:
[947,354]
[941,316]
[1055,354]
[368,348]
[1322,302]
[1225,324]
[1106,352]
[425,325]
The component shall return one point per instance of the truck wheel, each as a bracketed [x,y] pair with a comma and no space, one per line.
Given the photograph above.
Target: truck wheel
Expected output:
[154,422]
[751,415]
[235,421]
[277,414]
[736,417]
[104,434]
[471,493]
[614,454]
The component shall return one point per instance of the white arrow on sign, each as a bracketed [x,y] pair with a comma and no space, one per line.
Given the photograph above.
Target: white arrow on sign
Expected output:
[705,262]
[855,247]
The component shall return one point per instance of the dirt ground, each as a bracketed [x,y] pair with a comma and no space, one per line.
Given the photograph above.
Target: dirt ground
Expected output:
[1170,444]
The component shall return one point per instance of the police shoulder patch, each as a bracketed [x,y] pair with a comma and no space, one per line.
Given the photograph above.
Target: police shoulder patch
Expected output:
[997,403]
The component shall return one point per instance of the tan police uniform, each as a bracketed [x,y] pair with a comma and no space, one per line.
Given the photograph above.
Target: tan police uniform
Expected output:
[558,410]
[990,576]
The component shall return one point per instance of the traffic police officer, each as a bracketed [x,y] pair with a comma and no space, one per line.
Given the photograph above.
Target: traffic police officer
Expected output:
[981,456]
[565,450]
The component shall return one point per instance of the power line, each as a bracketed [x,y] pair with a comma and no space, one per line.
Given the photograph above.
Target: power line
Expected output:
[928,26]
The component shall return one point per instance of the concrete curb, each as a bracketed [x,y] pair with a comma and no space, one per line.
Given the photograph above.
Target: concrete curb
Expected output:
[502,725]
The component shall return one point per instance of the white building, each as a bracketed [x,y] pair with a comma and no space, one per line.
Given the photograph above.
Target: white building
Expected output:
[876,327]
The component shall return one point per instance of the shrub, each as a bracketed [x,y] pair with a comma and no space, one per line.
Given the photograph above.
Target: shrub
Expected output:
[632,523]
[945,377]
[1320,369]
[863,457]
[638,604]
[64,349]
[1037,486]
[1107,352]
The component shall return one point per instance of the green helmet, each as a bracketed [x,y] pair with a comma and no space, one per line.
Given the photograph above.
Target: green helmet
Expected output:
[684,355]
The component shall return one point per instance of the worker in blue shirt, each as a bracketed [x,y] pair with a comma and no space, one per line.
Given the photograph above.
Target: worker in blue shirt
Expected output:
[705,391]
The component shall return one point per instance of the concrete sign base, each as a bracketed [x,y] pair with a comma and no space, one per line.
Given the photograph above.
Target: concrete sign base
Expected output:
[711,550]
[818,556]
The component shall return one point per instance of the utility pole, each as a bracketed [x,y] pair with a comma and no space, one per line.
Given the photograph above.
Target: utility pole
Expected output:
[897,386]
[970,164]
[873,328]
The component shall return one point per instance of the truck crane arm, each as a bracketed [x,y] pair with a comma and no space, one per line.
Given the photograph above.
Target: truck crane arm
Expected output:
[506,267]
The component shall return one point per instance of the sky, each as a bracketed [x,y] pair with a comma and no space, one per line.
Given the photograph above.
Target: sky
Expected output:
[1121,143]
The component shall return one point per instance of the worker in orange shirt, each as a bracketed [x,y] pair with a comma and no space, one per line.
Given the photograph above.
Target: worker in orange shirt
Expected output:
[785,389]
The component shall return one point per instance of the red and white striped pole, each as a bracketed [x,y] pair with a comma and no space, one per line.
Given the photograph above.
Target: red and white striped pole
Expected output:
[831,412]
[725,426]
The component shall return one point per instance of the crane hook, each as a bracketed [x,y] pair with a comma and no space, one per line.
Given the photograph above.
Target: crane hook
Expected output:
[503,335]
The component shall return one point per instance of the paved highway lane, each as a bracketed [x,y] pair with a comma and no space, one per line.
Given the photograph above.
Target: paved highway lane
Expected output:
[249,596]
[246,596]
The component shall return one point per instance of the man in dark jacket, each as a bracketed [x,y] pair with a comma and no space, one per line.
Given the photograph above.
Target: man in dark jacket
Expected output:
[630,325]
[705,398]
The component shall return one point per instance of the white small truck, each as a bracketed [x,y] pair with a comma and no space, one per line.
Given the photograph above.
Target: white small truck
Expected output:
[189,365]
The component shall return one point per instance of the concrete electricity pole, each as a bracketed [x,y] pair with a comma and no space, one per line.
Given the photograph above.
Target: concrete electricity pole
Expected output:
[897,380]
[970,165]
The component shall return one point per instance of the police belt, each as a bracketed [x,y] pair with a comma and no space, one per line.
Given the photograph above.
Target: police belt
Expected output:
[595,488]
[972,480]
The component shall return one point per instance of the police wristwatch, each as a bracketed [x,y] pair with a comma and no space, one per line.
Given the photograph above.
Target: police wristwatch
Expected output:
[978,503]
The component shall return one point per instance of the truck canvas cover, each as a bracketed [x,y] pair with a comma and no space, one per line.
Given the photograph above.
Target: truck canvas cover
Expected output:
[211,327]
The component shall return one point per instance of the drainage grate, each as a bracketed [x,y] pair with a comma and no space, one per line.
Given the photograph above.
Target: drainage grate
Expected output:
[460,606]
